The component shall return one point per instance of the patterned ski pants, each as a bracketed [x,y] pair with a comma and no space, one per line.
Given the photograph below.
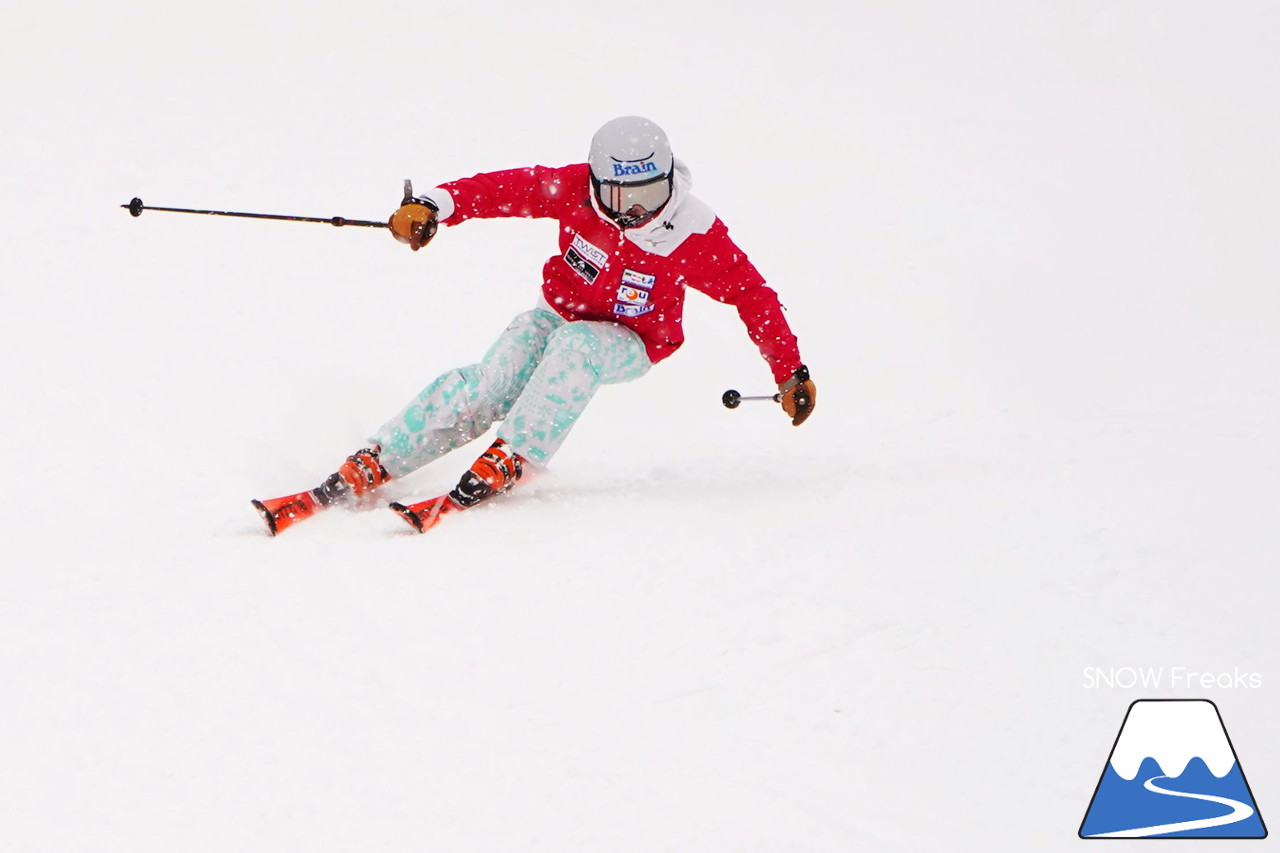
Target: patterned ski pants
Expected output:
[537,379]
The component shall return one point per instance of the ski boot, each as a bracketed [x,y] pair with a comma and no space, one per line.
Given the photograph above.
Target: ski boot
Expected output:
[359,475]
[496,471]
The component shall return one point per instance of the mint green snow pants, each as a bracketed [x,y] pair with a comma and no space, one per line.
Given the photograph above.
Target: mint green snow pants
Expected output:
[537,379]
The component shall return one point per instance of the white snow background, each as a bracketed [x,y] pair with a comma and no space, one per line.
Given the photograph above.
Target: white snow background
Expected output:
[1029,249]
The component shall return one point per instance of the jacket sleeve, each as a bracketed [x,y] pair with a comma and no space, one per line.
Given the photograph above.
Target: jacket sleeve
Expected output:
[732,279]
[533,192]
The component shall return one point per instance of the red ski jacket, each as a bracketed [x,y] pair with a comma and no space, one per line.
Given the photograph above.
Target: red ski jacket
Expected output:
[636,277]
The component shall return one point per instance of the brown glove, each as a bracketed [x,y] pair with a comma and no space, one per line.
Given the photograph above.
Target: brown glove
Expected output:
[414,223]
[798,396]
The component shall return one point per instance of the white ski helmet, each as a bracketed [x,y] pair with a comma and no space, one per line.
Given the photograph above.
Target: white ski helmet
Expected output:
[631,169]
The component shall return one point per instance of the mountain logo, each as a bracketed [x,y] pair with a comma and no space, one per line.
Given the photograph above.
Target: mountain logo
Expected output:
[1173,773]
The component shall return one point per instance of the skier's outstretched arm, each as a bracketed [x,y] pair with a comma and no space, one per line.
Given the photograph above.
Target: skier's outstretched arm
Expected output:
[738,283]
[534,192]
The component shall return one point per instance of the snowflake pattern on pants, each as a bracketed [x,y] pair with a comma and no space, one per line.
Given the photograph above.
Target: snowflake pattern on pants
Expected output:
[537,378]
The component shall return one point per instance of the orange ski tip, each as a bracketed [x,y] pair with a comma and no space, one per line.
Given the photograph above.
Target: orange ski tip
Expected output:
[270,521]
[281,513]
[424,515]
[408,516]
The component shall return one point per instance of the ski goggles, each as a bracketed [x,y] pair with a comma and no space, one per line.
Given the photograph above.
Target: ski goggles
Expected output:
[622,198]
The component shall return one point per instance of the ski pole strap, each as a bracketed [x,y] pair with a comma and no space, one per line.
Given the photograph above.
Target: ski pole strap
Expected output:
[800,376]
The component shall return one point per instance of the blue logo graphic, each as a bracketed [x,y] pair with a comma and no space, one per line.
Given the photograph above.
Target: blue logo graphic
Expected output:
[635,167]
[1173,773]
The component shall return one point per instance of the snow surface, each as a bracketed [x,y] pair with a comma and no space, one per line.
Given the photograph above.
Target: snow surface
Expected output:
[1030,252]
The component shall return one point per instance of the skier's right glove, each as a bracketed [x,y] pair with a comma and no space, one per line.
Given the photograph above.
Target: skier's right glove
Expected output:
[415,222]
[799,395]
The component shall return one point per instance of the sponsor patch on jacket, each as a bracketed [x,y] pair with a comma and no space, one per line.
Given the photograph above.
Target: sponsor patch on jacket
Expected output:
[585,258]
[632,301]
[579,263]
[592,253]
[638,279]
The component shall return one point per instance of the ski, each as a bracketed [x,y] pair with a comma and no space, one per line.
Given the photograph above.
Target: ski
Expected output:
[282,513]
[424,515]
[360,474]
[495,472]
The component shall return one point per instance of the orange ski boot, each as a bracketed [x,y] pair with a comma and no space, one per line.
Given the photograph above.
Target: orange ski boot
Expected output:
[358,476]
[496,471]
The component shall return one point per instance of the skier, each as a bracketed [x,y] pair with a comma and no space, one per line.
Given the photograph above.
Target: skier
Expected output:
[631,239]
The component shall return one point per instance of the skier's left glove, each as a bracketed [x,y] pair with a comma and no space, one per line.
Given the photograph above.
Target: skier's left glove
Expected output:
[415,222]
[799,395]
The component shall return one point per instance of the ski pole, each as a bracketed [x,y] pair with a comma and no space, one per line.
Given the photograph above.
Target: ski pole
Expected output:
[135,207]
[732,399]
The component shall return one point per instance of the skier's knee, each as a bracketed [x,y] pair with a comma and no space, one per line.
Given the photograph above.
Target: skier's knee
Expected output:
[581,340]
[612,352]
[485,383]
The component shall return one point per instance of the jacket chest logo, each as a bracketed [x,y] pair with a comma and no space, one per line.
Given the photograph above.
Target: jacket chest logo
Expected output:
[586,259]
[633,294]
